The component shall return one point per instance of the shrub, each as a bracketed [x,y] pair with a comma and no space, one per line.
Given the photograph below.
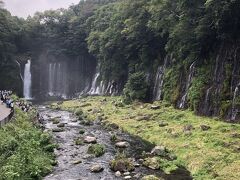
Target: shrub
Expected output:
[96,149]
[135,88]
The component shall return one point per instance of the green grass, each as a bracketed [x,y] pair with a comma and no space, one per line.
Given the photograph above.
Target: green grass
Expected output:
[25,151]
[96,149]
[212,154]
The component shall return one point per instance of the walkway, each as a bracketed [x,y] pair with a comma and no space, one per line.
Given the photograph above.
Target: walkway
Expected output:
[4,112]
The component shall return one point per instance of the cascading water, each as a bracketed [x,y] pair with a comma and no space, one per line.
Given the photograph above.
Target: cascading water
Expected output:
[57,80]
[234,110]
[188,84]
[27,81]
[94,88]
[158,84]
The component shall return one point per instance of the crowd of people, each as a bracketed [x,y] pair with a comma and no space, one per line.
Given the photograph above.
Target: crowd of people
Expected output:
[6,99]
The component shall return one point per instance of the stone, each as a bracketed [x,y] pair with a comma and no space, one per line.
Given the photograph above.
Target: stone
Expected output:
[159,151]
[126,173]
[90,139]
[152,163]
[143,118]
[128,177]
[151,177]
[118,174]
[77,162]
[154,107]
[57,130]
[122,144]
[61,125]
[96,168]
[205,127]
[163,124]
[188,127]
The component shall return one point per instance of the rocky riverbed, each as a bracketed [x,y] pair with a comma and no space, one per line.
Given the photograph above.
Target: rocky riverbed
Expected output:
[74,161]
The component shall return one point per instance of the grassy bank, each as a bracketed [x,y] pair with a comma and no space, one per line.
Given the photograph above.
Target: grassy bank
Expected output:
[208,152]
[25,152]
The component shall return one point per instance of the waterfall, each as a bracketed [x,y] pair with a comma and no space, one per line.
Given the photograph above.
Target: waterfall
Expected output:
[57,80]
[158,84]
[234,110]
[27,81]
[94,88]
[188,84]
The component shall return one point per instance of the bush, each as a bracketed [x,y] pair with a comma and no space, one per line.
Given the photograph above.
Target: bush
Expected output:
[96,149]
[25,152]
[135,88]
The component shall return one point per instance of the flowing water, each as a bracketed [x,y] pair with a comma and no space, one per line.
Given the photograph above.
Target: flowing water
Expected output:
[188,84]
[68,152]
[27,81]
[234,108]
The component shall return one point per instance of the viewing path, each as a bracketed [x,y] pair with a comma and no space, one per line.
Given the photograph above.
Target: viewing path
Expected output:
[4,111]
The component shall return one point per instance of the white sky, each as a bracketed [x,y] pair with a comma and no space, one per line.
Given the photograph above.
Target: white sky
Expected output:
[23,8]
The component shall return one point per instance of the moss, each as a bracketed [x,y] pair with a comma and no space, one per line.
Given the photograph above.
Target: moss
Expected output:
[79,141]
[96,149]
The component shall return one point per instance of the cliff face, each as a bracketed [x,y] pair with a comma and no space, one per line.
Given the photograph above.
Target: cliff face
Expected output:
[209,87]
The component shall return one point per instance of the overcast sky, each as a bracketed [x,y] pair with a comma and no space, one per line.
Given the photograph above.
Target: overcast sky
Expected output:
[23,8]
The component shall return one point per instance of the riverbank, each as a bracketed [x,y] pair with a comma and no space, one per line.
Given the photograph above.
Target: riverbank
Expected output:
[25,151]
[208,148]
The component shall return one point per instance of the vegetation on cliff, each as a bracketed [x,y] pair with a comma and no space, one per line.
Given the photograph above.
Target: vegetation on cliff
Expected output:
[25,151]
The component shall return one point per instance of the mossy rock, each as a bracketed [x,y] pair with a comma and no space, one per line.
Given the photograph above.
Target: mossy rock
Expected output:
[79,142]
[61,125]
[78,112]
[55,121]
[122,164]
[151,177]
[152,163]
[57,130]
[96,149]
[81,131]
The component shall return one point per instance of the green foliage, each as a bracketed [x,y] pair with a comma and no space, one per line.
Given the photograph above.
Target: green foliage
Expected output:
[96,149]
[136,87]
[25,152]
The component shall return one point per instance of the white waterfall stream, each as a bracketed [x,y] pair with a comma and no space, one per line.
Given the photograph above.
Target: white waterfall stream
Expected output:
[27,81]
[234,109]
[188,84]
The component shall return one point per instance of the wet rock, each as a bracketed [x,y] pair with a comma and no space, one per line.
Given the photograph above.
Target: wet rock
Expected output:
[137,176]
[74,120]
[154,107]
[81,131]
[122,144]
[61,125]
[96,168]
[113,126]
[128,177]
[57,130]
[118,174]
[163,124]
[159,151]
[90,139]
[205,127]
[188,127]
[77,162]
[126,173]
[55,121]
[152,163]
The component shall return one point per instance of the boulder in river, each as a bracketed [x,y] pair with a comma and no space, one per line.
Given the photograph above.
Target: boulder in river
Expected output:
[122,164]
[122,144]
[118,174]
[90,139]
[57,130]
[61,125]
[96,168]
[77,162]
